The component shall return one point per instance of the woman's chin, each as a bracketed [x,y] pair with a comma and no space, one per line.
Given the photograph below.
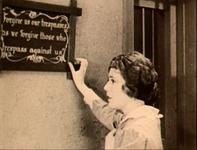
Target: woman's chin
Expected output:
[110,104]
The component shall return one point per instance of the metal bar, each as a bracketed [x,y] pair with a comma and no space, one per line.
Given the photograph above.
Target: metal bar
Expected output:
[128,26]
[143,31]
[153,37]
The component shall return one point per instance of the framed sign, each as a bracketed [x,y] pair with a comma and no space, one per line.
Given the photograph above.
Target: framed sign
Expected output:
[37,36]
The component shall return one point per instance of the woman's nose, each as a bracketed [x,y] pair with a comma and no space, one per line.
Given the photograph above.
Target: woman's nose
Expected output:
[106,86]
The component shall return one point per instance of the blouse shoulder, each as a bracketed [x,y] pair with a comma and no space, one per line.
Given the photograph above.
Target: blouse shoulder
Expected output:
[140,124]
[138,133]
[130,138]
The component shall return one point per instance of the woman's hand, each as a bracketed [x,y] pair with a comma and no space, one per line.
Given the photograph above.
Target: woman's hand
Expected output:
[79,75]
[78,78]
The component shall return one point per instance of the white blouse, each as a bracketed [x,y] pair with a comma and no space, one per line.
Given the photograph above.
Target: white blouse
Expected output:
[140,129]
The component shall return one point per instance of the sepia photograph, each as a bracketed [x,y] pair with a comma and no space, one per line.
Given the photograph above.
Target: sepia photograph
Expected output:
[98,74]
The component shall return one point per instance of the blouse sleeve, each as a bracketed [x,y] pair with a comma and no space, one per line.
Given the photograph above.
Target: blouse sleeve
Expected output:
[131,139]
[103,113]
[107,116]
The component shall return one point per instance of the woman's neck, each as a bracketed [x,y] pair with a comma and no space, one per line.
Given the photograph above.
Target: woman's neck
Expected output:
[131,105]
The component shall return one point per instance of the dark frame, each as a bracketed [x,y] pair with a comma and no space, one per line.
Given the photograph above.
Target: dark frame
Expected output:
[72,11]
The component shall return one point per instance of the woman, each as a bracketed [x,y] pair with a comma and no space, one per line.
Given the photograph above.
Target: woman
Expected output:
[129,114]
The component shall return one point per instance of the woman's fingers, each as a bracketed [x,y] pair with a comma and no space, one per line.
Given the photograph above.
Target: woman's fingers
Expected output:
[71,67]
[83,62]
[83,66]
[79,75]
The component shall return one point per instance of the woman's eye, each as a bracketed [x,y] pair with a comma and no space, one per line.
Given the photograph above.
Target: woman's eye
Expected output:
[112,80]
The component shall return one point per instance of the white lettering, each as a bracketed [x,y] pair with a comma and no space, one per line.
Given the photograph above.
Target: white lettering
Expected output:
[15,49]
[60,38]
[29,36]
[46,37]
[13,33]
[12,21]
[35,23]
[52,25]
[41,50]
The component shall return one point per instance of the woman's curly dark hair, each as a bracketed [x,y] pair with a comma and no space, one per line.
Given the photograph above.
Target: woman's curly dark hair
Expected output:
[139,75]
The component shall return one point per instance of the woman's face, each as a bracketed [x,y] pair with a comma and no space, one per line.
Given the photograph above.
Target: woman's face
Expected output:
[116,96]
